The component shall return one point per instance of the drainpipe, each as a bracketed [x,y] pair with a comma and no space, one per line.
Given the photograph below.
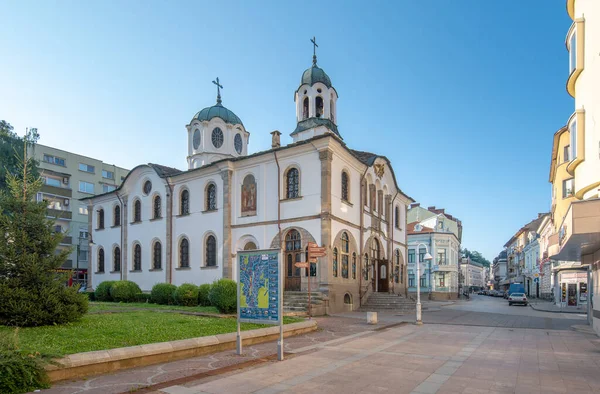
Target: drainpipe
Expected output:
[360,246]
[123,223]
[393,221]
[169,271]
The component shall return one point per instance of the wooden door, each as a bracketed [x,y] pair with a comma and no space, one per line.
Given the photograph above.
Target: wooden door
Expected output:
[292,273]
[383,279]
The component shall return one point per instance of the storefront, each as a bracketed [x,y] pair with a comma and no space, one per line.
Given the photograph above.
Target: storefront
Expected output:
[573,288]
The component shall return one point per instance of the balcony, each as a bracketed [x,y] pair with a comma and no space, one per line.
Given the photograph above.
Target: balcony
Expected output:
[58,191]
[67,241]
[578,234]
[577,28]
[59,214]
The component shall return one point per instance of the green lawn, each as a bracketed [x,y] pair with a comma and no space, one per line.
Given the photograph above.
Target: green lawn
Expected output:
[112,330]
[118,306]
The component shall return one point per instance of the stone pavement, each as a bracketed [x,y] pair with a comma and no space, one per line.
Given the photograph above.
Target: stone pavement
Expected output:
[426,359]
[330,328]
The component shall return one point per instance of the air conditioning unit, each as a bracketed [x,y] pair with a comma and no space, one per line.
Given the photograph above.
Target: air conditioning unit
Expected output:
[66,180]
[66,202]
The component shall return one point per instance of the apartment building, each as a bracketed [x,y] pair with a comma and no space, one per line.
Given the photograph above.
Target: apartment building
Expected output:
[67,178]
[472,274]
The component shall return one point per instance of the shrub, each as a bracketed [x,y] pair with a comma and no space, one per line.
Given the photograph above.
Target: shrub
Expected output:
[186,295]
[203,291]
[102,292]
[223,295]
[125,291]
[20,372]
[162,293]
[143,297]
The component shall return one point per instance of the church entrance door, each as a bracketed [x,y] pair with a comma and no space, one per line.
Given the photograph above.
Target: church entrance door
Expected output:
[382,276]
[293,255]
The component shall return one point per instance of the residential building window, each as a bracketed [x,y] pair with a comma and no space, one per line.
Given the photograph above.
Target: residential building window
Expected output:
[137,257]
[573,51]
[117,259]
[52,182]
[411,256]
[156,204]
[83,209]
[108,188]
[211,197]
[568,188]
[58,228]
[137,211]
[421,255]
[185,203]
[441,257]
[108,174]
[573,133]
[411,280]
[86,187]
[184,253]
[100,219]
[117,216]
[100,260]
[84,234]
[211,251]
[566,152]
[335,262]
[353,265]
[345,186]
[86,168]
[441,276]
[157,257]
[423,280]
[345,255]
[292,183]
[54,160]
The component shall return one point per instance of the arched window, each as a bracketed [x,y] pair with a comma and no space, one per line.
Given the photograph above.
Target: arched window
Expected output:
[335,262]
[137,257]
[372,197]
[380,202]
[117,259]
[383,272]
[211,251]
[211,197]
[117,215]
[331,111]
[184,208]
[250,246]
[157,256]
[305,108]
[353,265]
[345,186]
[156,207]
[292,183]
[184,253]
[366,267]
[375,251]
[397,218]
[100,219]
[319,106]
[397,265]
[248,196]
[345,255]
[137,211]
[100,260]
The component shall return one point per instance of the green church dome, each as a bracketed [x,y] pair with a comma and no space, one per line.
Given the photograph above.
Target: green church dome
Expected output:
[314,75]
[218,111]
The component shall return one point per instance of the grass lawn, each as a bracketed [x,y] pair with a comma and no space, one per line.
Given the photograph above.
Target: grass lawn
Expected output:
[112,330]
[117,306]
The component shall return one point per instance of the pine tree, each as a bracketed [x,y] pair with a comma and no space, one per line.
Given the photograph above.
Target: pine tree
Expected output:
[32,292]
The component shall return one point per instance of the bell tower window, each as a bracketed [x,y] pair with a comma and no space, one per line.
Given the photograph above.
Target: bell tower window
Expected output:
[305,108]
[319,106]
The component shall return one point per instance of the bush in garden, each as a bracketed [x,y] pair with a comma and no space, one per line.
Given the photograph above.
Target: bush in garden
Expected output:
[20,372]
[203,292]
[102,292]
[223,295]
[162,293]
[143,297]
[125,291]
[186,295]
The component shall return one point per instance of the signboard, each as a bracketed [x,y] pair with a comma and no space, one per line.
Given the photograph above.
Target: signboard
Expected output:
[259,286]
[302,264]
[536,280]
[315,251]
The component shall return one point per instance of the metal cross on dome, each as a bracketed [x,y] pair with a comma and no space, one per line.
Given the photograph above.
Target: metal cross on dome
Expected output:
[315,46]
[219,87]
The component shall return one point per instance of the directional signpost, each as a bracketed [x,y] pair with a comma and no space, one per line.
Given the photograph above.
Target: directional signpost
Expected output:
[314,252]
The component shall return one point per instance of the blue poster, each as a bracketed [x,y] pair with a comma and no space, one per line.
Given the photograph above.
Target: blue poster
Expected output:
[259,286]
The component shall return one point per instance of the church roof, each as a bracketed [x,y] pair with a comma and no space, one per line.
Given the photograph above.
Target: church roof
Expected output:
[164,171]
[315,122]
[367,158]
[218,111]
[313,75]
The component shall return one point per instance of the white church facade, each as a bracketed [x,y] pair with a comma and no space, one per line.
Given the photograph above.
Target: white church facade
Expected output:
[167,225]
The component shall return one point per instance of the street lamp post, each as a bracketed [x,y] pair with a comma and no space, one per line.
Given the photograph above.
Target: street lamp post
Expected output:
[427,257]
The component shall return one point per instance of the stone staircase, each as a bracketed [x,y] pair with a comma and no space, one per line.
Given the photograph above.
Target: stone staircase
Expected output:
[296,303]
[388,302]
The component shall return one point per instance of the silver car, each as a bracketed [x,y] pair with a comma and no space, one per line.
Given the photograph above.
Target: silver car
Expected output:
[517,298]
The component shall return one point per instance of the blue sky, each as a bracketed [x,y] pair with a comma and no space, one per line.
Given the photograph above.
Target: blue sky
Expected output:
[462,96]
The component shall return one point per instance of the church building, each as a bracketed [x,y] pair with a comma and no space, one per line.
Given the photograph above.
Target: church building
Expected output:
[173,226]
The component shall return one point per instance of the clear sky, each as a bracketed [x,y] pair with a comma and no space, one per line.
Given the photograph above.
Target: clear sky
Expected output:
[463,96]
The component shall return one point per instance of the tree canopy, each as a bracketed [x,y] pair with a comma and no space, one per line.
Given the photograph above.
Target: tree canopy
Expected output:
[11,153]
[476,257]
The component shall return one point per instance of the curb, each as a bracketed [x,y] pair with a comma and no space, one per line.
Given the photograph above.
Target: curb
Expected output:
[582,312]
[80,365]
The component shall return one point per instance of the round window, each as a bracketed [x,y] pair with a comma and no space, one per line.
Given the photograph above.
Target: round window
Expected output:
[147,187]
[196,138]
[217,137]
[319,90]
[237,142]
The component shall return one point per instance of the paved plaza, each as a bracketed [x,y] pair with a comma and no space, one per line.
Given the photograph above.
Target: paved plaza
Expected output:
[459,349]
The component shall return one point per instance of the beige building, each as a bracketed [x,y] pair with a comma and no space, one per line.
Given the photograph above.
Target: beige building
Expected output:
[67,178]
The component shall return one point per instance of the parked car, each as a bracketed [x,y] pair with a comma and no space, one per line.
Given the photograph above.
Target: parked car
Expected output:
[492,293]
[500,293]
[517,298]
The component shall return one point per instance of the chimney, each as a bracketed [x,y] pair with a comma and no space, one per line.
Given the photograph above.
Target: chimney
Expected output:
[432,209]
[414,204]
[275,141]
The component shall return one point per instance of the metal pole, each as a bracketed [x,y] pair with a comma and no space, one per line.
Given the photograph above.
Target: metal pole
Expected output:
[309,302]
[418,286]
[280,307]
[238,337]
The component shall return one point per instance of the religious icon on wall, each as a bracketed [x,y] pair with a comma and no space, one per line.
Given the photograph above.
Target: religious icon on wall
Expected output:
[249,196]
